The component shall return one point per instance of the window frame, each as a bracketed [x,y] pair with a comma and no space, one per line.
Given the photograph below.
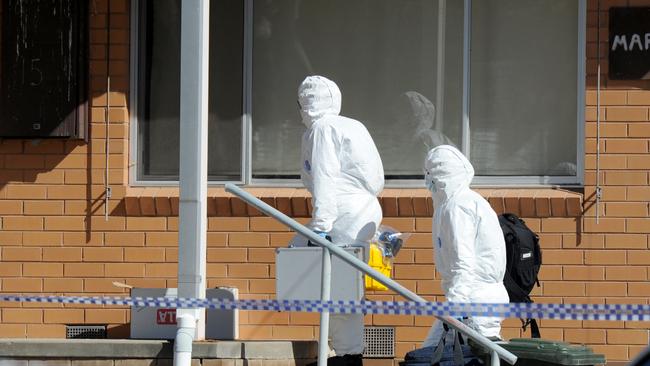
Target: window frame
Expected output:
[246,153]
[527,180]
[136,92]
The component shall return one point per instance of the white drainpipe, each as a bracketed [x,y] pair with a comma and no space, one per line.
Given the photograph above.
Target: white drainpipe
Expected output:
[184,338]
[193,180]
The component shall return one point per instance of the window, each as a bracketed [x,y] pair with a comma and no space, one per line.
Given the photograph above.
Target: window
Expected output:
[501,79]
[158,90]
[383,56]
[524,88]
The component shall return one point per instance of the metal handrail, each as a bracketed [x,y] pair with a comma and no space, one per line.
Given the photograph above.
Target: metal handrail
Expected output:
[329,248]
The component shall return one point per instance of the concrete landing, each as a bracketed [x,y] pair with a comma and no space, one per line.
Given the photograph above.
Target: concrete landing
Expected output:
[108,352]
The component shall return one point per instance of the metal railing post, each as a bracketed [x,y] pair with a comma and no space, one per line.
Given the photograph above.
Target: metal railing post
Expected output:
[326,279]
[494,359]
[365,268]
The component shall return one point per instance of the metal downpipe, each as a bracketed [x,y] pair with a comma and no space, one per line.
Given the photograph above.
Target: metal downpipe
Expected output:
[326,287]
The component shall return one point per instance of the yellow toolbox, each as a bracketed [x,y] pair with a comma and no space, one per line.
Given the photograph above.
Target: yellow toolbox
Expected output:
[382,264]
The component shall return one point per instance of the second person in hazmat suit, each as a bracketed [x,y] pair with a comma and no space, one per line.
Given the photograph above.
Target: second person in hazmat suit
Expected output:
[470,252]
[342,170]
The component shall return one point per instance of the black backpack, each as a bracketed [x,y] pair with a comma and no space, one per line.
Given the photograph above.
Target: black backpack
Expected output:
[524,258]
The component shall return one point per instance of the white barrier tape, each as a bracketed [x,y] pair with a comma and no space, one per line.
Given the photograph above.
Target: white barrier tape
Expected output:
[617,312]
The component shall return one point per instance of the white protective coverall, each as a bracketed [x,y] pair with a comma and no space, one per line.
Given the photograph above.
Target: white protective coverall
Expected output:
[470,252]
[342,170]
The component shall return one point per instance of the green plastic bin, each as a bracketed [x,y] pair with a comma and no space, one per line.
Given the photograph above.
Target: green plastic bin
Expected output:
[541,352]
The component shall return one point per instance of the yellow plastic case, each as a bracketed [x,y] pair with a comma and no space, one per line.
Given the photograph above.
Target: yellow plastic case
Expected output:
[377,261]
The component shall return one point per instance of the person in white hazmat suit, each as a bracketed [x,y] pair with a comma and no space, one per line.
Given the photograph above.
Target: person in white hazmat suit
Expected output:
[342,170]
[470,252]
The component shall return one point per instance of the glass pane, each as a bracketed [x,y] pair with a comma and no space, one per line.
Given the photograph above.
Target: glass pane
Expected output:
[158,132]
[383,56]
[524,87]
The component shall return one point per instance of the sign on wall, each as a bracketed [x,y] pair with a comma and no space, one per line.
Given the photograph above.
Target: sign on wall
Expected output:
[629,43]
[44,68]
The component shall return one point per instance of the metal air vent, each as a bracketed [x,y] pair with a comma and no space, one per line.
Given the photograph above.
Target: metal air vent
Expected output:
[379,342]
[85,331]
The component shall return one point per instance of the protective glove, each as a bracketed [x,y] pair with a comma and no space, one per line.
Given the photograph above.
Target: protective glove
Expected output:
[321,234]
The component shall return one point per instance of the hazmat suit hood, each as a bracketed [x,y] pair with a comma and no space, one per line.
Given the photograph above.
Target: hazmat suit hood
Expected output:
[318,97]
[447,171]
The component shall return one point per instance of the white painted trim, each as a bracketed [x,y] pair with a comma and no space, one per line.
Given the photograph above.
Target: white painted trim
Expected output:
[247,130]
[582,86]
[440,65]
[133,94]
[467,45]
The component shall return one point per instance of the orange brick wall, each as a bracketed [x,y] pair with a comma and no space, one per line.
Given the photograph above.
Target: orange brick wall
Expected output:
[614,259]
[54,238]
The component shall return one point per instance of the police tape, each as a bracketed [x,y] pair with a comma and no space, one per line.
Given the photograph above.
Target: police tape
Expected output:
[617,312]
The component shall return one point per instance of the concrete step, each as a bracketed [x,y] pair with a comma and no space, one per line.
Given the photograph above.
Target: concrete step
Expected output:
[108,352]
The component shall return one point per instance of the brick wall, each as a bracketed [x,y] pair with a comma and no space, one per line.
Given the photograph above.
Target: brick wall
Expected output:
[54,238]
[615,258]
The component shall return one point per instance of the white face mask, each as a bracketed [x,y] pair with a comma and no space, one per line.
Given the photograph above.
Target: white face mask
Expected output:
[431,185]
[429,182]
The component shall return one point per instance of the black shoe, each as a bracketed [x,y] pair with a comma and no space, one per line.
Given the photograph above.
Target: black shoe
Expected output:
[345,360]
[353,360]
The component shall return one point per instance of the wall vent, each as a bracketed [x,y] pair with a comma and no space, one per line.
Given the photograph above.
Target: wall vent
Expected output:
[85,331]
[379,342]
